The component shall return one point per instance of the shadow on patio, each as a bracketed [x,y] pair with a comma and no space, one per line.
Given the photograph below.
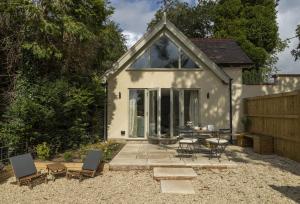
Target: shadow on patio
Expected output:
[146,156]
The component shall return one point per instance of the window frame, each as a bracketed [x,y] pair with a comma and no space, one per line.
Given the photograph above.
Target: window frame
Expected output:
[180,49]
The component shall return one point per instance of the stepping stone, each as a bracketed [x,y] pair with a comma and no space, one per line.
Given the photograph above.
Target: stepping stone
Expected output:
[176,186]
[163,173]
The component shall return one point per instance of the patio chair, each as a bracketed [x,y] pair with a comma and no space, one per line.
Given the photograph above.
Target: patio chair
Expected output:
[218,144]
[188,142]
[89,168]
[25,171]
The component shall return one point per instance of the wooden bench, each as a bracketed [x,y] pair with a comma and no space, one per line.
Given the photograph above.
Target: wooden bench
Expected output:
[262,144]
[244,140]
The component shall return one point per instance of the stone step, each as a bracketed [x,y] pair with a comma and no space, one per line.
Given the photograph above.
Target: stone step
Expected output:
[177,186]
[163,173]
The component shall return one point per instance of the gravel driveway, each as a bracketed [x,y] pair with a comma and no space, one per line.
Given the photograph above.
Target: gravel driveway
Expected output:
[258,179]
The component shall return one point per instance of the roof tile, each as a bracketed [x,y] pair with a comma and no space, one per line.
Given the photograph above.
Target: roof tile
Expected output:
[223,51]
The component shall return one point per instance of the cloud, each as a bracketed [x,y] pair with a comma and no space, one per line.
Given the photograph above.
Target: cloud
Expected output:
[131,37]
[133,16]
[288,19]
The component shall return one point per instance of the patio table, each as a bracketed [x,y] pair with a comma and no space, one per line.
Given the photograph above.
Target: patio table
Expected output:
[56,169]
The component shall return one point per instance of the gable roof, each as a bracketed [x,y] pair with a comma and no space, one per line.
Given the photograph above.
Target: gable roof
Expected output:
[224,52]
[165,25]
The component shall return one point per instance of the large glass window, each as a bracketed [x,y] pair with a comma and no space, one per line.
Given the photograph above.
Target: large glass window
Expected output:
[163,54]
[165,112]
[187,62]
[191,107]
[136,112]
[153,122]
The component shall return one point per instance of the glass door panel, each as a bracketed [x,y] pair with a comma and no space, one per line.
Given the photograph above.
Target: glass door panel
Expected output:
[165,124]
[153,113]
[191,107]
[176,112]
[136,113]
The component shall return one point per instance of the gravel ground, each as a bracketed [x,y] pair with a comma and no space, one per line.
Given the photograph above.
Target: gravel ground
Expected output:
[258,179]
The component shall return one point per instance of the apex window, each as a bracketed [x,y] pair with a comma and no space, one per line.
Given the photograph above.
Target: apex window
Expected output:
[164,54]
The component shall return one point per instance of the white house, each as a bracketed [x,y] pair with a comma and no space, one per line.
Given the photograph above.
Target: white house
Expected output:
[166,80]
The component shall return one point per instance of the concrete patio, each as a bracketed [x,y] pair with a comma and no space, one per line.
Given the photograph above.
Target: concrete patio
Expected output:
[144,156]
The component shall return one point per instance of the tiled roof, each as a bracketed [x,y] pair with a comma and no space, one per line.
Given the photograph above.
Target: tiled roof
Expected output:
[224,52]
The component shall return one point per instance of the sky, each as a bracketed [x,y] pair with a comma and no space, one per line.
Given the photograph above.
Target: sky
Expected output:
[134,15]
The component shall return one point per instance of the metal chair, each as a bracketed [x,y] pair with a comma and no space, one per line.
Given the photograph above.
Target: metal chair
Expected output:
[187,142]
[218,144]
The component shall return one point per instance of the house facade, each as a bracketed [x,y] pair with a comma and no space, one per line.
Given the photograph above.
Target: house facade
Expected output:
[167,80]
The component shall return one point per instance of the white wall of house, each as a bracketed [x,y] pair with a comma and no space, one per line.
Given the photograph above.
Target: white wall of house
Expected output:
[214,110]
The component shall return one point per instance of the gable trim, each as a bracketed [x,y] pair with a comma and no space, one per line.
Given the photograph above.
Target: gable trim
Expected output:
[165,24]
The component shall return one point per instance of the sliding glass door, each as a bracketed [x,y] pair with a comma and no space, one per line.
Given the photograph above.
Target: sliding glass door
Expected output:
[153,112]
[176,112]
[136,113]
[160,112]
[191,107]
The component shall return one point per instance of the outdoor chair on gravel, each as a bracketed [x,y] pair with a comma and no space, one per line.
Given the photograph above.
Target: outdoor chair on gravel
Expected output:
[25,170]
[90,166]
[218,144]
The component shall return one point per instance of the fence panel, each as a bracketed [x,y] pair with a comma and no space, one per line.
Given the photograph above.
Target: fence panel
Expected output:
[277,115]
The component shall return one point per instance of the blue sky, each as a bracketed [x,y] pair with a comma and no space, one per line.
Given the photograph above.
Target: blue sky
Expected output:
[133,16]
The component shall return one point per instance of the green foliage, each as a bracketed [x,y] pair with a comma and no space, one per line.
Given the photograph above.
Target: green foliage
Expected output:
[246,122]
[296,52]
[109,149]
[68,157]
[43,151]
[58,50]
[59,112]
[255,76]
[193,21]
[252,23]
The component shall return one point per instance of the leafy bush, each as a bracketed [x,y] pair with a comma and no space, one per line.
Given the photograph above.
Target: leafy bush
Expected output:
[109,149]
[62,113]
[68,156]
[246,122]
[43,151]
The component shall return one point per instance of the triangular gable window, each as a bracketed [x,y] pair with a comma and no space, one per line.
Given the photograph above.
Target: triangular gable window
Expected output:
[163,54]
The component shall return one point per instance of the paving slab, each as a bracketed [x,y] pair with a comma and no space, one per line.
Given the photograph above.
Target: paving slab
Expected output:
[166,173]
[128,164]
[177,186]
[166,162]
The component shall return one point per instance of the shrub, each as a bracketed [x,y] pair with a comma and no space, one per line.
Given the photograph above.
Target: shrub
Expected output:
[109,149]
[60,112]
[68,156]
[43,151]
[246,122]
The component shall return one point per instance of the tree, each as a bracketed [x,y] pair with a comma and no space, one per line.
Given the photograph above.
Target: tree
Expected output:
[193,21]
[251,23]
[296,52]
[56,51]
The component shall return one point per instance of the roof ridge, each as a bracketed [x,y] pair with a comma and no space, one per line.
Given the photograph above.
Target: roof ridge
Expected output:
[213,39]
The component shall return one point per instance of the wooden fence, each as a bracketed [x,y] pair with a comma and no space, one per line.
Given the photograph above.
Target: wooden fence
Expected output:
[277,115]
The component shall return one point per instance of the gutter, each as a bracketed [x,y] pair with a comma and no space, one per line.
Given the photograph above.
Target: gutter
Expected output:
[105,111]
